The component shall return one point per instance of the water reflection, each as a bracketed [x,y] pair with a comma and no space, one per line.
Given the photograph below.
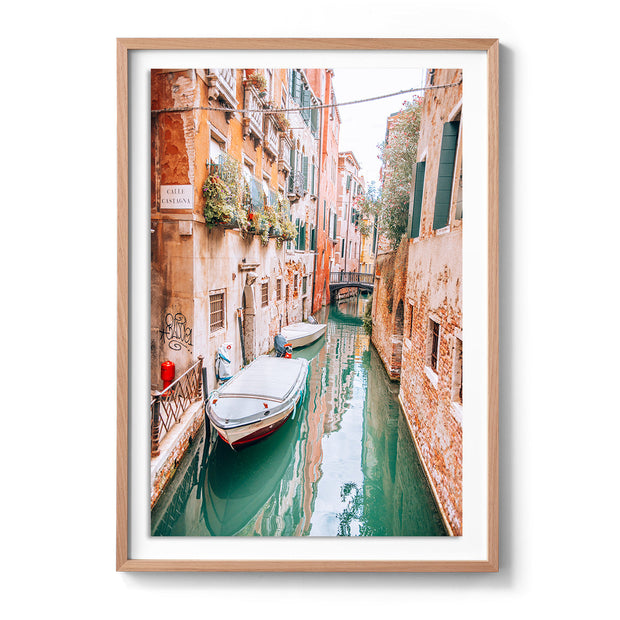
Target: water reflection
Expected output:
[343,465]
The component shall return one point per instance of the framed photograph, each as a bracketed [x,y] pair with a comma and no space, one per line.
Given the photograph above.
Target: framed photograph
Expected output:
[307,329]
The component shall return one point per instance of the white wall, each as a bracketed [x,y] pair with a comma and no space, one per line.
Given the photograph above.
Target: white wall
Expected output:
[559,307]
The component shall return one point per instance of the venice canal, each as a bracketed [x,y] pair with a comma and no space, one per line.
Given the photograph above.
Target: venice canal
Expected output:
[343,465]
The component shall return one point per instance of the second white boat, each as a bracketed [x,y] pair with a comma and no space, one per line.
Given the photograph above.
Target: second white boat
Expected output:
[303,334]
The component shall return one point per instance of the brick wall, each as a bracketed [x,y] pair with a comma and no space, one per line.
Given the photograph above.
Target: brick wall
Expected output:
[390,286]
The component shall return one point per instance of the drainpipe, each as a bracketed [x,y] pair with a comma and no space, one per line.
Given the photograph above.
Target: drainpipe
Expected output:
[318,204]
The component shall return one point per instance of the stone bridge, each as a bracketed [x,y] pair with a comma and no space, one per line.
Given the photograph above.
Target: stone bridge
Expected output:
[350,279]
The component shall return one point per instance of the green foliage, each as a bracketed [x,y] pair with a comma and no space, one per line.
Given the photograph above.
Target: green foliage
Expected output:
[227,203]
[223,195]
[390,204]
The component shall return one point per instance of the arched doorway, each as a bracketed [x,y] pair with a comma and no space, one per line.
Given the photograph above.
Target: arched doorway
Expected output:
[248,322]
[397,340]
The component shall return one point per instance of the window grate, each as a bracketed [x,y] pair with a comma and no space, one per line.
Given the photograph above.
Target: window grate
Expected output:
[216,311]
[265,293]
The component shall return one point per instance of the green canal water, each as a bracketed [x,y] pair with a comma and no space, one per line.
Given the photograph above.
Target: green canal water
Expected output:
[343,465]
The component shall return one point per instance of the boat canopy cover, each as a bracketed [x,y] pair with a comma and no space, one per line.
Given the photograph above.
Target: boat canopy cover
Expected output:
[266,377]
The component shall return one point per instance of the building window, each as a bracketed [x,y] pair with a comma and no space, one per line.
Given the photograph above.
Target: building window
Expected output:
[433,357]
[457,372]
[304,285]
[265,293]
[279,289]
[217,311]
[287,292]
[445,175]
[296,285]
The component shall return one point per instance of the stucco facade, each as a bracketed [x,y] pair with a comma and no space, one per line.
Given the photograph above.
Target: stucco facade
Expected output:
[215,284]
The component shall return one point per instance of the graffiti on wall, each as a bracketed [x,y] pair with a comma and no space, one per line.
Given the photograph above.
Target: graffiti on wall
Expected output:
[175,331]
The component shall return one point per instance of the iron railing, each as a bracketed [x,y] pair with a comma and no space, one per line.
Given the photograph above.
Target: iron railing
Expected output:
[296,183]
[339,277]
[169,405]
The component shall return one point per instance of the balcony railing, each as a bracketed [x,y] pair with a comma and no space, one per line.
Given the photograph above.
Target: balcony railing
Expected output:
[338,277]
[296,183]
[168,406]
[253,118]
[284,159]
[223,85]
[271,135]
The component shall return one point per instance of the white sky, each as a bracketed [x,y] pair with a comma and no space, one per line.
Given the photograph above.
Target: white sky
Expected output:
[363,125]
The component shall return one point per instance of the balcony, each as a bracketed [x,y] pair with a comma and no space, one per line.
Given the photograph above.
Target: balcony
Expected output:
[253,118]
[295,185]
[222,86]
[271,136]
[284,159]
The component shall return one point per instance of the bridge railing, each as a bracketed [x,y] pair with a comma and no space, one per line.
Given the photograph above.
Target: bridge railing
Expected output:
[353,277]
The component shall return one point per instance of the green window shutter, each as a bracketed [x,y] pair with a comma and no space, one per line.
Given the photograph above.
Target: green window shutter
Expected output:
[312,190]
[303,237]
[291,87]
[335,224]
[314,121]
[297,239]
[305,102]
[304,169]
[342,249]
[296,86]
[348,182]
[445,175]
[374,237]
[418,193]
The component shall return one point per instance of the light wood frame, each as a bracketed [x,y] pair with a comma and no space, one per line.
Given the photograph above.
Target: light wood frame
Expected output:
[123,562]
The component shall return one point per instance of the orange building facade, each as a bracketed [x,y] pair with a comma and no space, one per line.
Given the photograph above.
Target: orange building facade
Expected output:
[236,158]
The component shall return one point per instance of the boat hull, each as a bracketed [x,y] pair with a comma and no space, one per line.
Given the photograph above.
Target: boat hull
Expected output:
[257,400]
[251,433]
[303,337]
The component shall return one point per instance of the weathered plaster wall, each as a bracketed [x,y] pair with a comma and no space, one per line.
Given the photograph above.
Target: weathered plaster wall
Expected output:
[430,397]
[434,290]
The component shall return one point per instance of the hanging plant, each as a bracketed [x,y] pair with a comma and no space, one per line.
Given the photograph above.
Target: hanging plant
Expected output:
[216,209]
[222,193]
[282,121]
[257,80]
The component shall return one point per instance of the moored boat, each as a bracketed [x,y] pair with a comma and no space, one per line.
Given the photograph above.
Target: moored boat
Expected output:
[258,399]
[303,334]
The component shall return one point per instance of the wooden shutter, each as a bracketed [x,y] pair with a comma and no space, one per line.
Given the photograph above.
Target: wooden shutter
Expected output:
[445,175]
[304,170]
[418,192]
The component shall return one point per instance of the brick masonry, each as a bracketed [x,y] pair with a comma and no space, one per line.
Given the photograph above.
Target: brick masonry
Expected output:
[428,282]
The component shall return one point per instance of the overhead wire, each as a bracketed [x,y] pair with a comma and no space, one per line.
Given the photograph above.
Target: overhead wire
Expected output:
[297,109]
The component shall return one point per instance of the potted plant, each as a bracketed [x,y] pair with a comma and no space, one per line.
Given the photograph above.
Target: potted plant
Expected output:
[259,81]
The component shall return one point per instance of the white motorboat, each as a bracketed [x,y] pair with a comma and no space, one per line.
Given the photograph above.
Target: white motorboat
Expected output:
[258,399]
[303,334]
